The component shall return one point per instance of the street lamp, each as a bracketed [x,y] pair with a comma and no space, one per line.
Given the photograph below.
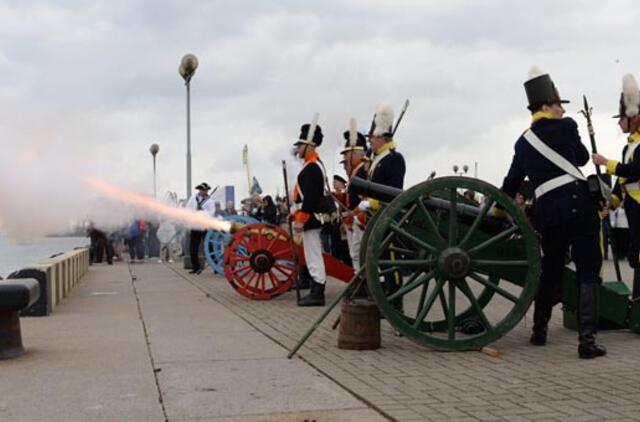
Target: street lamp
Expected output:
[465,169]
[154,149]
[187,69]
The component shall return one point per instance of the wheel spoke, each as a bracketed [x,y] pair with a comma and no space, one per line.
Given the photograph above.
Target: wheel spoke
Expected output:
[280,253]
[422,313]
[423,294]
[491,285]
[429,220]
[483,212]
[248,283]
[453,216]
[412,238]
[280,268]
[500,236]
[389,270]
[407,263]
[403,251]
[274,280]
[466,290]
[242,268]
[443,303]
[421,279]
[451,315]
[262,283]
[240,258]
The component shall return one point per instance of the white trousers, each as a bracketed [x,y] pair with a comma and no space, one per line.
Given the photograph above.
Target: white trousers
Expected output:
[312,246]
[354,238]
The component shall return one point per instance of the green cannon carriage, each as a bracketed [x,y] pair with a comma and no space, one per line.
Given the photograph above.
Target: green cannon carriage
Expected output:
[458,263]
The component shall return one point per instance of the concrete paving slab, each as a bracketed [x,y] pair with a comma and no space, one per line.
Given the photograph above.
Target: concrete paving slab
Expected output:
[213,346]
[88,361]
[245,387]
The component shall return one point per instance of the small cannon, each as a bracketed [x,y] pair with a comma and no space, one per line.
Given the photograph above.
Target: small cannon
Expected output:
[454,257]
[260,263]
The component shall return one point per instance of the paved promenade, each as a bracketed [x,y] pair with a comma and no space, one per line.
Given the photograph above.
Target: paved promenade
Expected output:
[149,342]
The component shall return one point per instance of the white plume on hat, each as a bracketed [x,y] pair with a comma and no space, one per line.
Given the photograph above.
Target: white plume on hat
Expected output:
[534,72]
[383,119]
[630,95]
[353,132]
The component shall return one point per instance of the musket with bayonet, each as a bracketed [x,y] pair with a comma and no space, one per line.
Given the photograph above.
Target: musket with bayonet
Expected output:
[605,191]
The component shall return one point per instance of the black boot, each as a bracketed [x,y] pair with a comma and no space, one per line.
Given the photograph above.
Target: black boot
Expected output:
[541,315]
[588,322]
[636,284]
[315,297]
[304,278]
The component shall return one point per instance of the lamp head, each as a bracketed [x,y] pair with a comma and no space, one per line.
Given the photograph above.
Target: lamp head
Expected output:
[188,66]
[154,149]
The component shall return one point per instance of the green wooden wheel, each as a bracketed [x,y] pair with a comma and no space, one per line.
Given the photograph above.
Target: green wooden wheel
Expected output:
[450,261]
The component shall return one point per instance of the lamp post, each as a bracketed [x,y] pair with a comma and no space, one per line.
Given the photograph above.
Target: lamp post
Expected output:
[465,169]
[154,149]
[187,69]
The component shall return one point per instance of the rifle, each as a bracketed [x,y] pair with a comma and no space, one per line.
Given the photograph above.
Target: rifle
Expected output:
[404,110]
[293,243]
[604,190]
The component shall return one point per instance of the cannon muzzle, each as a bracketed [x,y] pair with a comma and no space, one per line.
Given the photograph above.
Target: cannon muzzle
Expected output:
[373,190]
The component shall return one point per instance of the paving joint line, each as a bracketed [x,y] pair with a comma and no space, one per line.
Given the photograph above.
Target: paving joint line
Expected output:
[208,295]
[154,369]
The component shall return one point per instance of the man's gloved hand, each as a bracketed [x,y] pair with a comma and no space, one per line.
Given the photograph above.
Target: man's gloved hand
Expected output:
[364,205]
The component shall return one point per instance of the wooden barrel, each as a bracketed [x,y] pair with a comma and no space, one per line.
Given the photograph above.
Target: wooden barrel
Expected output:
[359,325]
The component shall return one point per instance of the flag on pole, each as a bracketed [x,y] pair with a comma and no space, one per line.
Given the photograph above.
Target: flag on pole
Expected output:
[245,154]
[255,187]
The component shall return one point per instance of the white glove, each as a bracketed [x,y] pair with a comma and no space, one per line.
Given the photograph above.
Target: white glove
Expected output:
[364,205]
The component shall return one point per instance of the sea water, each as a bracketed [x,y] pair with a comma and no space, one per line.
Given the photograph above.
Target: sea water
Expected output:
[17,254]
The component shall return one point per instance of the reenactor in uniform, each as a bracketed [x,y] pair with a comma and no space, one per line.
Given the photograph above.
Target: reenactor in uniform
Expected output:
[387,168]
[627,187]
[565,214]
[309,192]
[199,202]
[354,165]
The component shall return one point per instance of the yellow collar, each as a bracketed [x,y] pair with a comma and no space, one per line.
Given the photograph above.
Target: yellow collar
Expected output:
[634,137]
[385,147]
[539,115]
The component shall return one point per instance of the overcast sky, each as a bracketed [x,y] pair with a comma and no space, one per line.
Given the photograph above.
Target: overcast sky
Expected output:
[86,86]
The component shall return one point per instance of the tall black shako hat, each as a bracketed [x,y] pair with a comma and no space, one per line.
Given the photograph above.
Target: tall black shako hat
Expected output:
[305,138]
[541,90]
[629,98]
[355,140]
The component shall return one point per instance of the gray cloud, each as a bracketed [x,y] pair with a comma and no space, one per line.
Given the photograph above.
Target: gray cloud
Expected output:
[97,82]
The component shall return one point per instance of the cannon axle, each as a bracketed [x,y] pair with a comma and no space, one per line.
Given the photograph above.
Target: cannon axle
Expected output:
[454,263]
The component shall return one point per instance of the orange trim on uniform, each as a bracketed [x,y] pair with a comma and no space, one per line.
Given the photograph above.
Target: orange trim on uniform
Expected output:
[301,216]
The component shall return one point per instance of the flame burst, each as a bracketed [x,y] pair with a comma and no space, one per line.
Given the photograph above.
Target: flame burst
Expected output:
[199,220]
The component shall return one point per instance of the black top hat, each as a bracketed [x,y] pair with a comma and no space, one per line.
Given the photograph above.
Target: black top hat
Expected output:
[359,145]
[203,186]
[317,136]
[540,91]
[339,178]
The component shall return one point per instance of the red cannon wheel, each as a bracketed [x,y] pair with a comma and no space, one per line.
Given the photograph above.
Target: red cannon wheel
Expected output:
[259,263]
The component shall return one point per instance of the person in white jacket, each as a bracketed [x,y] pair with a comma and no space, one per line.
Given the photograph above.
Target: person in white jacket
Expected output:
[199,202]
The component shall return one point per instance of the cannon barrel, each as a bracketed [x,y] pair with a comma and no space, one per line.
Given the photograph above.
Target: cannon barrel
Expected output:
[387,194]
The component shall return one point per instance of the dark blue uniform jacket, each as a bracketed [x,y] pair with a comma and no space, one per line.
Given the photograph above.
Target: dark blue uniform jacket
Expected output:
[571,201]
